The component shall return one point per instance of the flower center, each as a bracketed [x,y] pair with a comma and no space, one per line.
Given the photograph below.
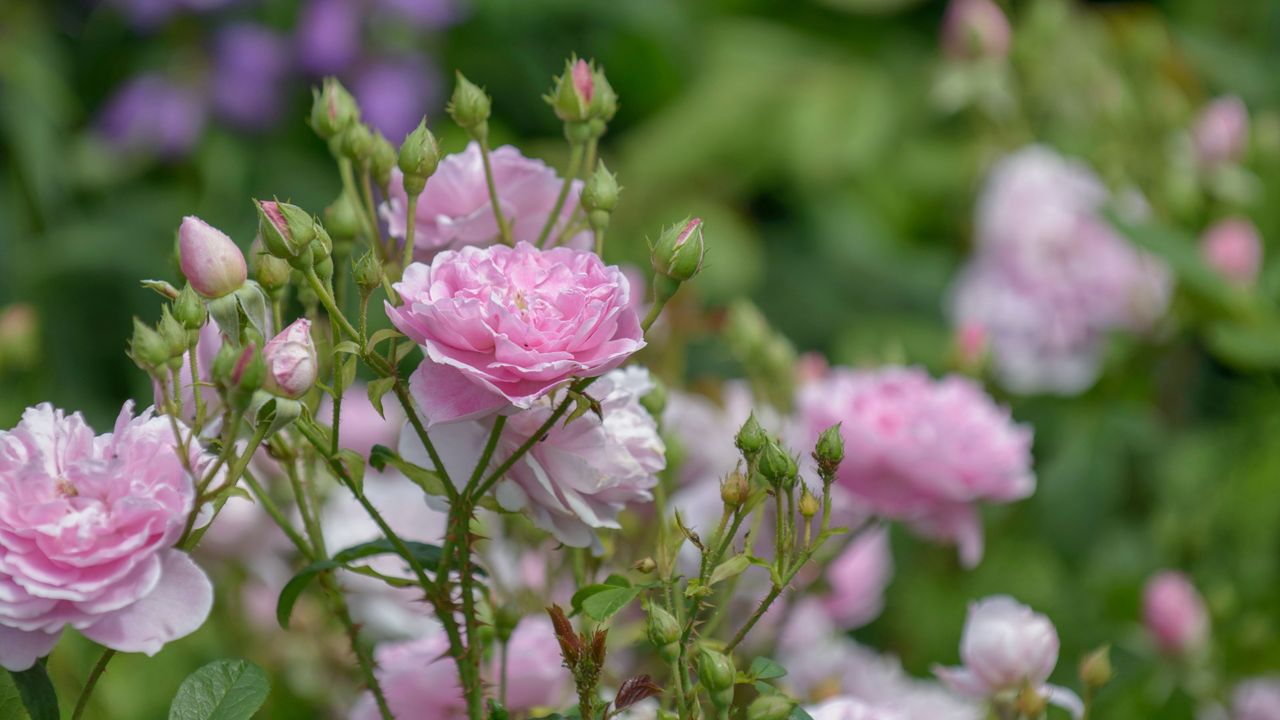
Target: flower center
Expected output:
[65,488]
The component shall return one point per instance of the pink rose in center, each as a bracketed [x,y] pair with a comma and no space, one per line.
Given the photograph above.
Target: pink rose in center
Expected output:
[503,326]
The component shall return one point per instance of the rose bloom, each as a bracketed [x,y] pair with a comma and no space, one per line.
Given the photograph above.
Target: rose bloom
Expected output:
[536,677]
[920,450]
[454,210]
[847,708]
[1256,699]
[419,680]
[580,475]
[1233,248]
[87,528]
[501,327]
[1006,645]
[1174,613]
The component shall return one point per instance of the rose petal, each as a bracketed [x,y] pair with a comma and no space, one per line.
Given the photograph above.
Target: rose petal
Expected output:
[176,608]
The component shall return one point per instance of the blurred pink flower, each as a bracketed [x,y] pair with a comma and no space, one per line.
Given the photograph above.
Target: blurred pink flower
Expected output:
[1221,132]
[847,708]
[1050,278]
[1174,613]
[362,426]
[500,327]
[454,210]
[975,29]
[210,260]
[1006,645]
[1233,248]
[579,476]
[1256,699]
[87,527]
[920,450]
[419,679]
[858,577]
[536,676]
[292,364]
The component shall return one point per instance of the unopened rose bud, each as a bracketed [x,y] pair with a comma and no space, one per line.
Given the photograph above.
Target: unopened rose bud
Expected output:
[271,272]
[776,464]
[1095,668]
[210,260]
[679,251]
[1233,248]
[808,505]
[751,438]
[469,108]
[604,101]
[368,272]
[734,490]
[190,310]
[770,707]
[174,334]
[384,158]
[571,98]
[418,159]
[600,196]
[332,109]
[1174,614]
[645,565]
[975,29]
[291,361]
[717,674]
[356,143]
[655,401]
[829,452]
[147,347]
[287,230]
[505,619]
[664,632]
[1221,133]
[1031,702]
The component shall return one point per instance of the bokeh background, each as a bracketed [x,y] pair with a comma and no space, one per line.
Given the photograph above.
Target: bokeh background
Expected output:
[836,154]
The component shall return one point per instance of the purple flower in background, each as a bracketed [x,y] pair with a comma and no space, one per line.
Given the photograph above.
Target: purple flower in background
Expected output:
[147,14]
[395,93]
[328,36]
[249,68]
[153,114]
[425,13]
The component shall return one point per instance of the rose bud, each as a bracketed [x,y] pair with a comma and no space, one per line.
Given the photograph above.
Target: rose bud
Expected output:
[717,674]
[680,250]
[975,29]
[1174,614]
[1233,248]
[332,109]
[189,310]
[1222,132]
[829,452]
[770,707]
[292,364]
[751,438]
[383,159]
[418,159]
[604,101]
[287,230]
[210,260]
[572,97]
[148,348]
[469,107]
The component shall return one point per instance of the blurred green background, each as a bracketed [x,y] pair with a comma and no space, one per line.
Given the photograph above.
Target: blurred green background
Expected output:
[835,156]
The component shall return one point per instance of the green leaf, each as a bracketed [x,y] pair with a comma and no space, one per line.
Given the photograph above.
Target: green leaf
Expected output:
[347,346]
[431,483]
[378,388]
[221,690]
[293,589]
[383,334]
[37,693]
[730,568]
[763,668]
[346,373]
[799,713]
[617,580]
[354,462]
[603,605]
[1246,346]
[10,700]
[584,592]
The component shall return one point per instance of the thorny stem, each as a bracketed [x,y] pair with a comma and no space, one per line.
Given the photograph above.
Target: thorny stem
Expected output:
[511,460]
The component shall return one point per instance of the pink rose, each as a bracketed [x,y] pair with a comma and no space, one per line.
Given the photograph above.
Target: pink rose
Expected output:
[87,527]
[291,361]
[1221,133]
[1174,613]
[858,577]
[454,210]
[975,29]
[419,679]
[502,327]
[579,476]
[536,676]
[1006,645]
[920,450]
[1256,699]
[1233,248]
[847,708]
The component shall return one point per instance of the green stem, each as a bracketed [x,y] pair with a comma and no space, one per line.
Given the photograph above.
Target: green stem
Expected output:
[260,495]
[402,394]
[363,657]
[195,389]
[575,163]
[409,239]
[91,682]
[504,229]
[331,306]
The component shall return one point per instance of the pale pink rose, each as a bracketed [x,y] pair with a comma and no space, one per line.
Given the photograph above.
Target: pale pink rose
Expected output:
[920,450]
[1233,248]
[847,708]
[210,260]
[1256,699]
[362,426]
[1174,613]
[1006,646]
[579,476]
[975,29]
[536,677]
[419,680]
[87,528]
[292,364]
[858,577]
[501,327]
[454,210]
[1221,133]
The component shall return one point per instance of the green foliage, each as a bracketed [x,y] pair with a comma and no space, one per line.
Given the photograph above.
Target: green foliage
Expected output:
[36,692]
[221,690]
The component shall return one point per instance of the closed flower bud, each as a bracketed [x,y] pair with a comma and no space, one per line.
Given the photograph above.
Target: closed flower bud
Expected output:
[210,261]
[469,107]
[717,674]
[189,310]
[829,452]
[1175,614]
[1031,702]
[734,490]
[287,230]
[679,251]
[809,505]
[770,707]
[776,464]
[751,437]
[418,159]
[1095,668]
[175,336]
[604,101]
[384,158]
[600,191]
[571,98]
[357,143]
[271,272]
[246,376]
[368,272]
[645,565]
[333,109]
[291,361]
[662,628]
[147,347]
[322,245]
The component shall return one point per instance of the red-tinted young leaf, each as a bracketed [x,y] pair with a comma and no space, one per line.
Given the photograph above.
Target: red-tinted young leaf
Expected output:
[634,690]
[570,645]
